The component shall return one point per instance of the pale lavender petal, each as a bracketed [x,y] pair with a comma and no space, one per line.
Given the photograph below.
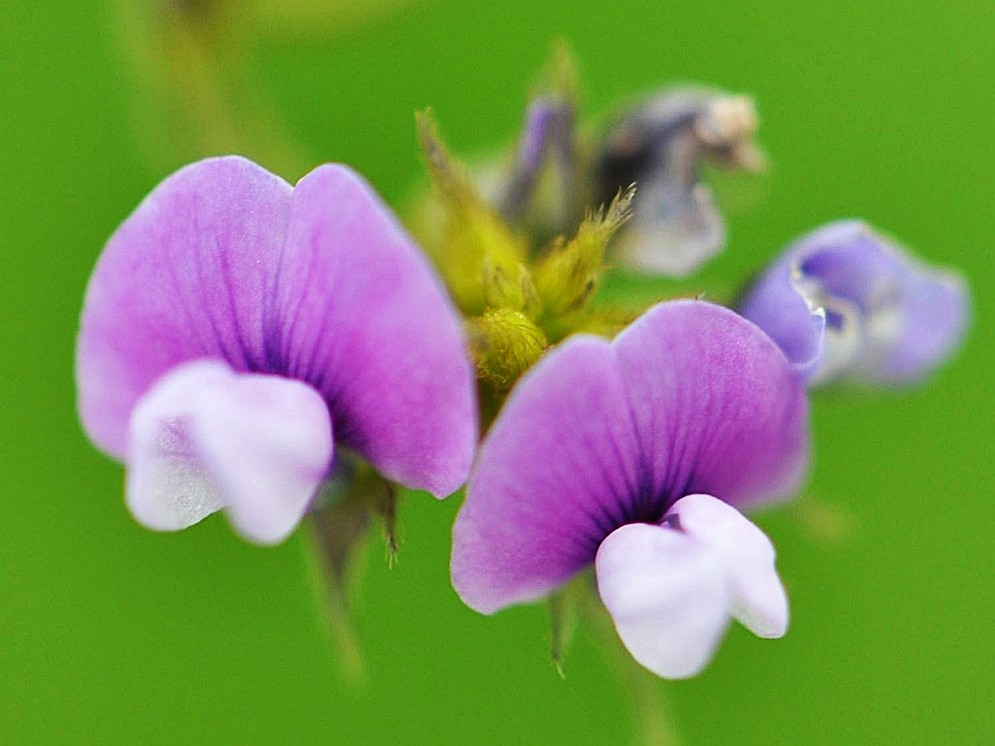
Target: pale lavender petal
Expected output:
[554,477]
[363,319]
[660,146]
[887,317]
[667,595]
[797,326]
[934,313]
[183,278]
[204,438]
[757,598]
[848,261]
[716,406]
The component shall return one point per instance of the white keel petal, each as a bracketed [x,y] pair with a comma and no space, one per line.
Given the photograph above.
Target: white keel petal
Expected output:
[204,438]
[167,486]
[268,443]
[757,597]
[667,596]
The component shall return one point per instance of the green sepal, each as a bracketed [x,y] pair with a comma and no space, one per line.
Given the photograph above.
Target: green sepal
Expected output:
[516,292]
[344,511]
[504,344]
[562,622]
[472,235]
[337,537]
[570,272]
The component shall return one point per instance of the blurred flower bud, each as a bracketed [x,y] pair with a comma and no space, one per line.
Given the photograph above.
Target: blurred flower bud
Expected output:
[660,145]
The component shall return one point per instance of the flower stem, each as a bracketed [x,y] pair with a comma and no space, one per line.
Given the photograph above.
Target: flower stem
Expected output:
[330,551]
[654,724]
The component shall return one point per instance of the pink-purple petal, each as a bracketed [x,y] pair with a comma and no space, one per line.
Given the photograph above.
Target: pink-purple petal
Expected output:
[691,398]
[553,478]
[319,283]
[364,320]
[183,278]
[716,407]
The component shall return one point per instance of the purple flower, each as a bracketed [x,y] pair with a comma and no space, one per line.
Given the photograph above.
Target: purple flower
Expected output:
[845,303]
[237,331]
[631,453]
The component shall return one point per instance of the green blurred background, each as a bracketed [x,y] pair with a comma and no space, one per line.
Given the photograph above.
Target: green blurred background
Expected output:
[112,634]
